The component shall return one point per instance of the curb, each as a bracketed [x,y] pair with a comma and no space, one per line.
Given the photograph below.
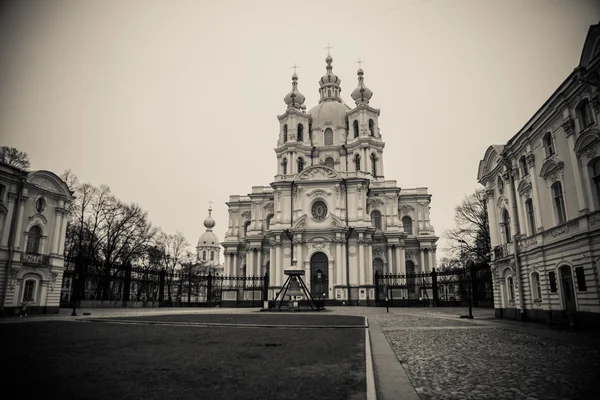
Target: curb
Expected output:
[216,324]
[370,372]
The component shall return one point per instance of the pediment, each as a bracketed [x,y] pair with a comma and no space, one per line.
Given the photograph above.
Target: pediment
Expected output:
[550,167]
[490,161]
[524,185]
[49,181]
[317,173]
[318,192]
[586,141]
[336,222]
[300,223]
[591,47]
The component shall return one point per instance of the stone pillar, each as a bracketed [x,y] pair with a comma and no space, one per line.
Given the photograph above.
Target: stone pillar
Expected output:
[492,216]
[400,260]
[299,252]
[234,266]
[430,265]
[338,262]
[369,263]
[58,216]
[361,260]
[391,269]
[589,194]
[514,219]
[250,262]
[278,268]
[7,220]
[330,294]
[259,270]
[272,265]
[422,259]
[19,232]
[582,202]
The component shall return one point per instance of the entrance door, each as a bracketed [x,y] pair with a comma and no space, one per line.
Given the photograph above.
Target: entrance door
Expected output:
[567,286]
[319,284]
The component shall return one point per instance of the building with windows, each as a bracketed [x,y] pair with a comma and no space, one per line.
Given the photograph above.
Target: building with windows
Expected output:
[330,207]
[208,249]
[543,190]
[33,221]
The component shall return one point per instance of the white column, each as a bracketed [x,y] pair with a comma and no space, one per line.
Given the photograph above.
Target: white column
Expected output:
[430,255]
[235,266]
[434,258]
[250,262]
[577,174]
[330,265]
[587,192]
[422,260]
[278,267]
[369,263]
[272,265]
[19,232]
[7,221]
[492,215]
[338,263]
[539,221]
[56,233]
[361,260]
[258,271]
[344,265]
[401,260]
[299,253]
[391,269]
[514,219]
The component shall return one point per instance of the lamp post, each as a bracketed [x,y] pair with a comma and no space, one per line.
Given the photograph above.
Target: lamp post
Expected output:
[468,277]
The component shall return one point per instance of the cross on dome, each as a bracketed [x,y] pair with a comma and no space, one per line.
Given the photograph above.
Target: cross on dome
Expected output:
[329,47]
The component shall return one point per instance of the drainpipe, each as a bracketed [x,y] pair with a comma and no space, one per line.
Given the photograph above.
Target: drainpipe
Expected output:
[516,234]
[350,230]
[287,231]
[12,236]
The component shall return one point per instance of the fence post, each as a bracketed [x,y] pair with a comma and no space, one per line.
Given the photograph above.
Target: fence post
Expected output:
[434,287]
[209,288]
[376,288]
[127,283]
[161,287]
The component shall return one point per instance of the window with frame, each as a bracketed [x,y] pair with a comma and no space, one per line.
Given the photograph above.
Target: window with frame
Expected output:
[523,165]
[268,221]
[34,240]
[300,135]
[548,144]
[559,203]
[407,225]
[536,287]
[29,290]
[2,192]
[300,164]
[511,288]
[328,137]
[285,133]
[374,165]
[284,165]
[596,179]
[530,215]
[506,225]
[204,255]
[357,162]
[376,219]
[371,127]
[329,162]
[212,256]
[355,128]
[582,111]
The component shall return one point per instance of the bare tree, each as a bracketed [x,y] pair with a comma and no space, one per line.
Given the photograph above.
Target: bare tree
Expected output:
[173,250]
[14,157]
[471,236]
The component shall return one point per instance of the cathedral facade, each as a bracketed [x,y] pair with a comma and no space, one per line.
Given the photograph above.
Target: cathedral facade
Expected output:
[330,211]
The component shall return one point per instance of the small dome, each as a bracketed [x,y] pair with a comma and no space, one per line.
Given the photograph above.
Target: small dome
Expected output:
[362,94]
[329,79]
[208,239]
[209,222]
[294,99]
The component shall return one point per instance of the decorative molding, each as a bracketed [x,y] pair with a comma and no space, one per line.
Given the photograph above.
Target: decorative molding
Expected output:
[12,197]
[247,214]
[12,276]
[406,209]
[44,183]
[560,231]
[569,126]
[52,279]
[318,192]
[594,219]
[596,104]
[269,206]
[530,158]
[317,173]
[591,152]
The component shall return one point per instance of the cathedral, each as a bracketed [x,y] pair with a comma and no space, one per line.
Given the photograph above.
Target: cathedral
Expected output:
[330,211]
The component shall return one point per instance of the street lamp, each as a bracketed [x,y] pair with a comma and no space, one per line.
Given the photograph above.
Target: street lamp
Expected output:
[468,278]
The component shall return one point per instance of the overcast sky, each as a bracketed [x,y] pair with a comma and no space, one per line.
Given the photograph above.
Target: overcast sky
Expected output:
[172,103]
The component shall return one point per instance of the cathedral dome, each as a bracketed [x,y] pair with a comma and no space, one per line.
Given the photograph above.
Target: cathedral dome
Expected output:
[329,111]
[208,239]
[294,98]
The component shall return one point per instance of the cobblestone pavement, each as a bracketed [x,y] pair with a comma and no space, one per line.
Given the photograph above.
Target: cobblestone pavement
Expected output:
[447,357]
[451,358]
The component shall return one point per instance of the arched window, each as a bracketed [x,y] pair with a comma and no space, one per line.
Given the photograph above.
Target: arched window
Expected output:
[523,166]
[510,286]
[34,240]
[29,290]
[204,255]
[536,287]
[596,179]
[506,225]
[285,133]
[355,128]
[559,203]
[500,185]
[300,136]
[376,219]
[582,111]
[328,138]
[329,162]
[357,162]
[268,221]
[548,144]
[530,215]
[212,256]
[374,165]
[371,127]
[407,224]
[246,225]
[2,191]
[300,164]
[284,164]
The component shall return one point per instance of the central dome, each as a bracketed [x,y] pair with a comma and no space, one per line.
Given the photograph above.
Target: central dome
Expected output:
[329,111]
